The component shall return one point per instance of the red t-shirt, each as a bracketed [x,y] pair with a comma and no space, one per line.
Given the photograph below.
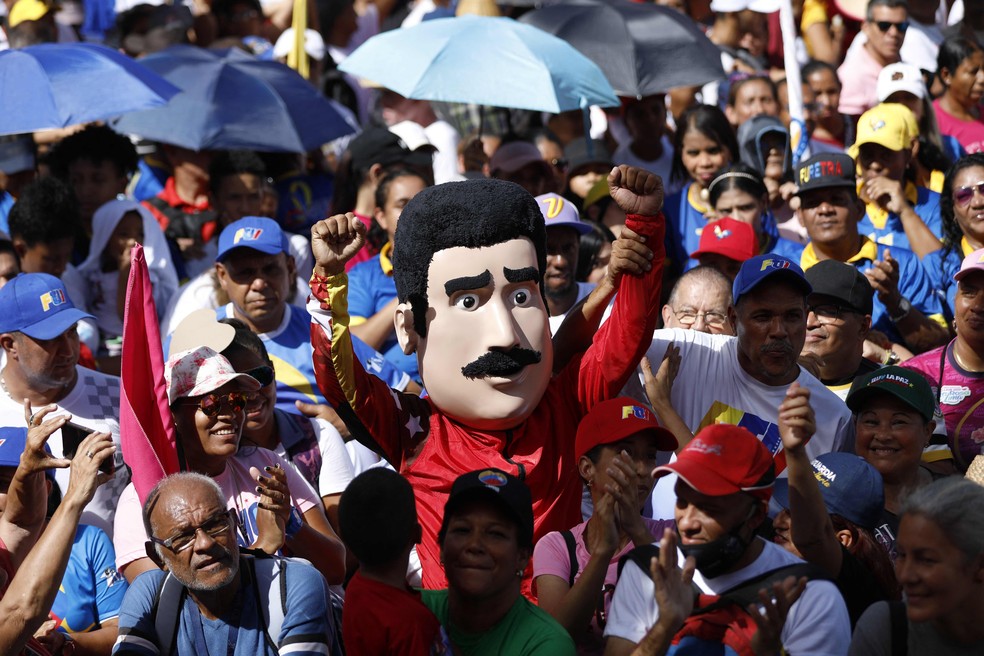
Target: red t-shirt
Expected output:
[379,619]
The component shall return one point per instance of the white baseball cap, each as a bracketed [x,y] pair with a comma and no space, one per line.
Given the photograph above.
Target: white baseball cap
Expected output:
[900,77]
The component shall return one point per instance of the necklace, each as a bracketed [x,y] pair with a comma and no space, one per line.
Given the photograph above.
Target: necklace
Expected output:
[956,356]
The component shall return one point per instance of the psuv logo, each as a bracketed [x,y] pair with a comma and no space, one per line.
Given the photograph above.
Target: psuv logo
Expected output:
[51,299]
[633,411]
[776,263]
[247,234]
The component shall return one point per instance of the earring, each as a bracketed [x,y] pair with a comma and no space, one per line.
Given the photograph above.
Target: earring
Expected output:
[519,573]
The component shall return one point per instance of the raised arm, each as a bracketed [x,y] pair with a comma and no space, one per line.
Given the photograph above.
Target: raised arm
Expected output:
[811,529]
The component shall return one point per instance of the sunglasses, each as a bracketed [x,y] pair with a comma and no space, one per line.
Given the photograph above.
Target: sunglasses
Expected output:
[963,195]
[885,26]
[264,375]
[211,403]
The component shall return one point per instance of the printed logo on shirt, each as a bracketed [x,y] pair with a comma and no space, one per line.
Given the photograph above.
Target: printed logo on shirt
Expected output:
[51,299]
[765,431]
[953,394]
[247,234]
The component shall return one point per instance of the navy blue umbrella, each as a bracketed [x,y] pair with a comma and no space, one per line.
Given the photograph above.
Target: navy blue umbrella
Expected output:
[54,85]
[230,100]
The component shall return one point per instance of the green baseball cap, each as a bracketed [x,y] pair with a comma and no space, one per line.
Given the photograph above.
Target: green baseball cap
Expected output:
[907,385]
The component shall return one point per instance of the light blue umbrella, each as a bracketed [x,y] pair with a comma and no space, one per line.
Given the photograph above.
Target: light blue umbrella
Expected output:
[54,85]
[484,61]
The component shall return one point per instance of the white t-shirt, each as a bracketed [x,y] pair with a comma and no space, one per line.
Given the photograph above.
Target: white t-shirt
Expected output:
[817,623]
[240,490]
[712,388]
[94,403]
[336,467]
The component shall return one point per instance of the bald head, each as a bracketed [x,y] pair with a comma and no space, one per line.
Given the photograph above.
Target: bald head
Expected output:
[700,300]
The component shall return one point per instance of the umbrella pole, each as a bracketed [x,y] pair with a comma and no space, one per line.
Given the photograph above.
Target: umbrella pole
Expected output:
[481,120]
[799,139]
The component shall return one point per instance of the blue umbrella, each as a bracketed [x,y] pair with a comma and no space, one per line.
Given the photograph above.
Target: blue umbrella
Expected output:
[230,100]
[485,61]
[56,85]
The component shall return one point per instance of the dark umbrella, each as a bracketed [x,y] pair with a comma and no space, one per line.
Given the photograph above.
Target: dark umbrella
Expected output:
[643,49]
[230,100]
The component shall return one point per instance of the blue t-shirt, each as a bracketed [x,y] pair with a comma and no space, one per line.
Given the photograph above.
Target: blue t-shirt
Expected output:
[913,284]
[927,206]
[370,289]
[6,202]
[305,628]
[92,589]
[940,266]
[289,348]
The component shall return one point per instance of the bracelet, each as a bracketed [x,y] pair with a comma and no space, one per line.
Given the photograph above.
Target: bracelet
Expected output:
[891,358]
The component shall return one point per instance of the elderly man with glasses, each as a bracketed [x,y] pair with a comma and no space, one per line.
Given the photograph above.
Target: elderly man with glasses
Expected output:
[210,598]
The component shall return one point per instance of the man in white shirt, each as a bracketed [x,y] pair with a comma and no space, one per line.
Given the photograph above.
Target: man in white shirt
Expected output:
[725,483]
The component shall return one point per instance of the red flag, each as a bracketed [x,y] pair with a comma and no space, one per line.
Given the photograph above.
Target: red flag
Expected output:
[146,428]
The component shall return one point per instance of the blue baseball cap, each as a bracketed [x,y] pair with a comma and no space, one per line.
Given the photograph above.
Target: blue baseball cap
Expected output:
[256,232]
[37,305]
[558,211]
[12,443]
[850,486]
[761,267]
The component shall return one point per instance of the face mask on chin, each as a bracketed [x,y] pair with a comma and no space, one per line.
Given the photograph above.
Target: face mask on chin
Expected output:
[715,558]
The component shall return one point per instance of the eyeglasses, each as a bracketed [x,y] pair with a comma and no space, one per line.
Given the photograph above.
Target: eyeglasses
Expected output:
[885,26]
[829,312]
[688,318]
[215,527]
[211,403]
[264,375]
[963,195]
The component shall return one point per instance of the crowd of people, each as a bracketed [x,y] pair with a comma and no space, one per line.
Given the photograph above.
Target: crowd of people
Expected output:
[644,380]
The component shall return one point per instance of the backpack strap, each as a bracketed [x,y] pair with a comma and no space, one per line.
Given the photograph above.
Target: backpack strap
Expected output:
[270,576]
[167,612]
[900,628]
[572,553]
[641,556]
[747,592]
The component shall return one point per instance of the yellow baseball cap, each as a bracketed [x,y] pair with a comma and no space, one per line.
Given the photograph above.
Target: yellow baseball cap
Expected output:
[889,124]
[27,10]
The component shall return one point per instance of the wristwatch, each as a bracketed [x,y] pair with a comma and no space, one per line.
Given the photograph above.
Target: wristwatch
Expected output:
[904,308]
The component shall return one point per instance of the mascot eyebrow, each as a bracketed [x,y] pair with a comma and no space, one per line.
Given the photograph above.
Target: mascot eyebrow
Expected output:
[484,279]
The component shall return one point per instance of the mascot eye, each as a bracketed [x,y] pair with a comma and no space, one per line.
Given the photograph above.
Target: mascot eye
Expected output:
[521,297]
[466,302]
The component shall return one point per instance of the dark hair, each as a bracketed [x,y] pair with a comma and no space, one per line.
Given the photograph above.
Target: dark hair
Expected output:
[889,4]
[736,176]
[952,52]
[96,143]
[377,516]
[815,66]
[46,212]
[951,229]
[382,189]
[233,162]
[223,8]
[7,246]
[588,248]
[473,214]
[871,555]
[713,124]
[245,339]
[742,80]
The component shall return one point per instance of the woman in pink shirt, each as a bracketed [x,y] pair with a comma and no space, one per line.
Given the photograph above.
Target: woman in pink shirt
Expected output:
[960,66]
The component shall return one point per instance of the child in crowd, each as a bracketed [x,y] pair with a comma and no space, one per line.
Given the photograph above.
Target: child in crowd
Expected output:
[383,615]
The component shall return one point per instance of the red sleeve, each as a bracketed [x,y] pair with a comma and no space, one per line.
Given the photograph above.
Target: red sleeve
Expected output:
[389,422]
[620,342]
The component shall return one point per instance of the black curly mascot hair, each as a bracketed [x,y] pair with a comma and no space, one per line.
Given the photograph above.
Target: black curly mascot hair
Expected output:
[473,214]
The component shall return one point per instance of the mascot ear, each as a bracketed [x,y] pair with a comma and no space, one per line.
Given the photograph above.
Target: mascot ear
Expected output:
[406,334]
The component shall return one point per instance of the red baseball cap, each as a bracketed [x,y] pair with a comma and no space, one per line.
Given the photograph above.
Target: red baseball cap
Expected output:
[728,237]
[616,419]
[723,459]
